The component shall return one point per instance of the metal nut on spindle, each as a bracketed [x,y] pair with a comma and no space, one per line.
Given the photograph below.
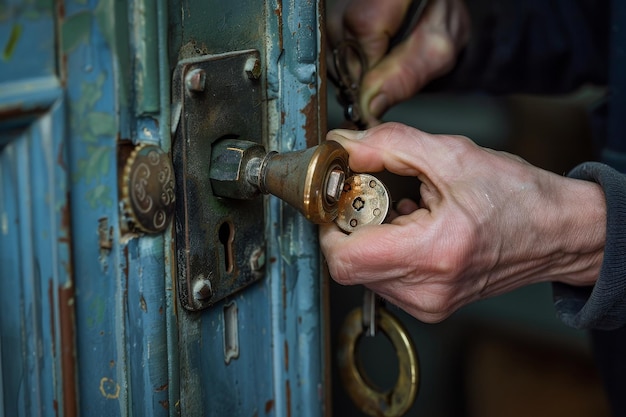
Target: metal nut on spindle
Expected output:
[231,168]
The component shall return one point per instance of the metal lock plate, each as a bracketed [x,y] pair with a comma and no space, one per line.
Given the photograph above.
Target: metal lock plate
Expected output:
[220,244]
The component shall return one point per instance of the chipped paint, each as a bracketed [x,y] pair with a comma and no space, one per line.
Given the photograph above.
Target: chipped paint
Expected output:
[9,48]
[142,304]
[95,128]
[109,388]
[4,223]
[52,316]
[97,308]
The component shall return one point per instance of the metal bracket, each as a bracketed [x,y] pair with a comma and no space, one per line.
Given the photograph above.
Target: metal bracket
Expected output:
[220,244]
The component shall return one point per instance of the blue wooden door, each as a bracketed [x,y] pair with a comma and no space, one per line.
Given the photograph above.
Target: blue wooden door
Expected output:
[91,321]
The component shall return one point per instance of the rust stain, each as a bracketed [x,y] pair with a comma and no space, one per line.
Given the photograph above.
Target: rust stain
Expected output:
[321,59]
[60,17]
[269,406]
[286,356]
[60,9]
[66,219]
[288,397]
[165,404]
[161,388]
[311,131]
[21,113]
[279,13]
[61,157]
[67,322]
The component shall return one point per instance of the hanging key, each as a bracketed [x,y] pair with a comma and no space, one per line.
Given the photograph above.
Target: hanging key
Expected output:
[370,304]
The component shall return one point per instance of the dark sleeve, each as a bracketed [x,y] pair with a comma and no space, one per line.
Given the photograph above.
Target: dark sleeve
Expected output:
[602,306]
[532,46]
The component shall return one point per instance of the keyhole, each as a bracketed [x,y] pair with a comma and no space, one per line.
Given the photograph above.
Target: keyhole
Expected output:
[226,236]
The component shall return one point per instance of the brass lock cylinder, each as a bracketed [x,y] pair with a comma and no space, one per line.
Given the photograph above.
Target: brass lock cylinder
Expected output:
[310,180]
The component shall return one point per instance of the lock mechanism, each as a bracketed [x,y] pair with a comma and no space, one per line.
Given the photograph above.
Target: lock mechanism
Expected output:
[223,168]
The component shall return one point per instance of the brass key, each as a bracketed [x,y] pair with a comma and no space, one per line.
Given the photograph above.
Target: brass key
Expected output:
[364,201]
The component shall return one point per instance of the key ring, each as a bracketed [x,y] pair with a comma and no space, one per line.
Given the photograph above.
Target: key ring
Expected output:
[349,88]
[392,403]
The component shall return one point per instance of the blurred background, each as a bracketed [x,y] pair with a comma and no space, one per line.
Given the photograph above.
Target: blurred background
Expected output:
[508,355]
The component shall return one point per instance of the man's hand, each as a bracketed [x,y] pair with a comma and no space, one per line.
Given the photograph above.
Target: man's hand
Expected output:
[487,223]
[427,53]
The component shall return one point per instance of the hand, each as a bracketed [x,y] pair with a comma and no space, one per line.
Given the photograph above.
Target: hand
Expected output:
[428,52]
[487,223]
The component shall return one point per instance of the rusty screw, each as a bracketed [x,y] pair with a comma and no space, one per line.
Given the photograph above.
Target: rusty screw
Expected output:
[334,185]
[202,290]
[195,80]
[253,68]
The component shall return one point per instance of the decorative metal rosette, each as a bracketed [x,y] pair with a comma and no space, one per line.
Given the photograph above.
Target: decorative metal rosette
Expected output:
[148,189]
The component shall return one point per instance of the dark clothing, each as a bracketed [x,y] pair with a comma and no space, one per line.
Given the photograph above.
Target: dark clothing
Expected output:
[534,47]
[556,46]
[603,306]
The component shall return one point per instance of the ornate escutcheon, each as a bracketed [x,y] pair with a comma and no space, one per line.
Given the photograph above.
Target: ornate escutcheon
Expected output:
[148,189]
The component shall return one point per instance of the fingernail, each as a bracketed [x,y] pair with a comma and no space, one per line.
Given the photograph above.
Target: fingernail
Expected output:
[346,133]
[379,105]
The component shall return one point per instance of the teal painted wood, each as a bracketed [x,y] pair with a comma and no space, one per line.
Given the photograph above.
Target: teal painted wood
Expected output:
[280,369]
[90,322]
[85,306]
[35,255]
[121,279]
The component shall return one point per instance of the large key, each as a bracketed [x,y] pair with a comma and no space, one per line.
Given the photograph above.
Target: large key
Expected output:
[364,201]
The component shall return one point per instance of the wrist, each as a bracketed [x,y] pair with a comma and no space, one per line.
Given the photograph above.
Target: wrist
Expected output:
[579,220]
